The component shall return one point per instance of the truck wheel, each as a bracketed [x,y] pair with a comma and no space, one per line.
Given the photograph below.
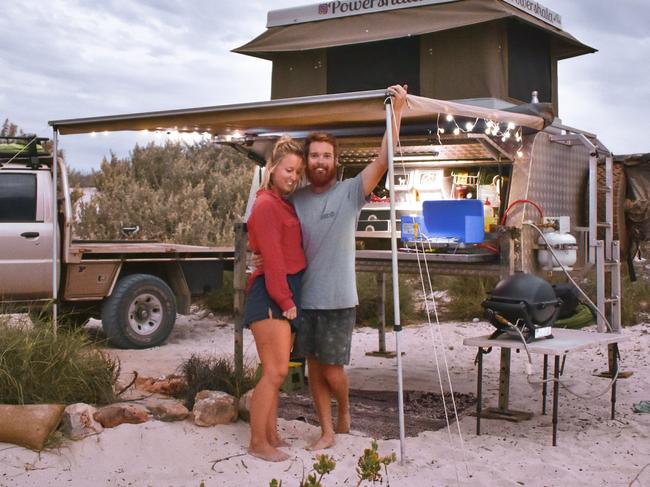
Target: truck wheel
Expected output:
[140,313]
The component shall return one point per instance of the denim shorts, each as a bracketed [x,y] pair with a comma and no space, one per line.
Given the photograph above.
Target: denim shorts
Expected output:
[260,306]
[326,335]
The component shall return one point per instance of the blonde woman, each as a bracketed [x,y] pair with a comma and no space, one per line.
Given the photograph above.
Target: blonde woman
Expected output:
[273,293]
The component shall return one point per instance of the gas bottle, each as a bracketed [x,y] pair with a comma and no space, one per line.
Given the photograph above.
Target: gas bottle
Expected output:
[565,247]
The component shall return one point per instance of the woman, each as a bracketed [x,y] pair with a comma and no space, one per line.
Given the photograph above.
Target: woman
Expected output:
[273,293]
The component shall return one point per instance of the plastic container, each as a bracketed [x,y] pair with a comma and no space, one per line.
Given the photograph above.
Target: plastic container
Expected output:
[412,228]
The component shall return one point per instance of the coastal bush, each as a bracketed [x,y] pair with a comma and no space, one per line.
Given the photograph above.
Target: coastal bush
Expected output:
[370,294]
[221,301]
[216,374]
[190,194]
[464,295]
[40,366]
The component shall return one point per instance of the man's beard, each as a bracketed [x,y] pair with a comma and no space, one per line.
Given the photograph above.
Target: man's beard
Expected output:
[318,178]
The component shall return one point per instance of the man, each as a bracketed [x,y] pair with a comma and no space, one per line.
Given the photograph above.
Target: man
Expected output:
[328,211]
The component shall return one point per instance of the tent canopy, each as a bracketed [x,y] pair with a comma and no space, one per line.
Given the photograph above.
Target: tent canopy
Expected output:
[394,24]
[323,112]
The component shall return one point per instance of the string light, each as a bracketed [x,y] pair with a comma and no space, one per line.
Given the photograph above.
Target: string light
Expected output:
[492,128]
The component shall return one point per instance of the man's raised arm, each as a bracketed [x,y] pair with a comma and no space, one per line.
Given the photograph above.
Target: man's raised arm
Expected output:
[374,171]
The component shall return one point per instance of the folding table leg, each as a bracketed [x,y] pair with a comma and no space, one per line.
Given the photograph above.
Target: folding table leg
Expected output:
[556,397]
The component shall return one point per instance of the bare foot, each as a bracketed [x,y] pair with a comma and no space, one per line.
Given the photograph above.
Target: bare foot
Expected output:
[277,441]
[343,423]
[268,453]
[325,441]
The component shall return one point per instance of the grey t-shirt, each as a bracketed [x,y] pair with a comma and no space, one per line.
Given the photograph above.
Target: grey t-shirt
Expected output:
[328,221]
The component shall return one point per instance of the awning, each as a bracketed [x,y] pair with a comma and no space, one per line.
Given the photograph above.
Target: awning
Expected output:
[347,110]
[394,24]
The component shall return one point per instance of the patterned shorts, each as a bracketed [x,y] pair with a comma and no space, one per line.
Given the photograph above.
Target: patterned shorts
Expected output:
[326,335]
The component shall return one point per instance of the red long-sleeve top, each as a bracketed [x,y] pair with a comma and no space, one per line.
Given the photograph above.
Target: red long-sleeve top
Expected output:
[274,232]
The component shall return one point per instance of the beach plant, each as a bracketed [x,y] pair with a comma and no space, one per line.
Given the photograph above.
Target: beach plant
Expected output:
[464,296]
[40,365]
[370,464]
[370,293]
[324,465]
[180,193]
[203,372]
[222,300]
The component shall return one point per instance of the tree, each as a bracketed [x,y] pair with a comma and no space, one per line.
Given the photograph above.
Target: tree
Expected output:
[9,129]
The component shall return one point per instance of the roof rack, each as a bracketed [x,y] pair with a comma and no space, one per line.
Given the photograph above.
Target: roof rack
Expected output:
[26,150]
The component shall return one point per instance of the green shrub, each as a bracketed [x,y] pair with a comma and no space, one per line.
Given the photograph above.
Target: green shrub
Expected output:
[40,366]
[180,193]
[464,296]
[370,294]
[214,374]
[221,301]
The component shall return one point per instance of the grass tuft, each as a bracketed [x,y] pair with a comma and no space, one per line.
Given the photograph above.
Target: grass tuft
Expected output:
[214,374]
[370,294]
[38,366]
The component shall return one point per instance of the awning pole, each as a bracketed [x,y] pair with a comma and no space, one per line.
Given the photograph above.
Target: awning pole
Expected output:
[393,246]
[55,230]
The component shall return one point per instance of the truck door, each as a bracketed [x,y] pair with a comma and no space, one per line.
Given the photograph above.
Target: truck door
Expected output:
[25,236]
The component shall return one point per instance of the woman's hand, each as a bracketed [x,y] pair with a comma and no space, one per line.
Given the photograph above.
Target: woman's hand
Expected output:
[291,313]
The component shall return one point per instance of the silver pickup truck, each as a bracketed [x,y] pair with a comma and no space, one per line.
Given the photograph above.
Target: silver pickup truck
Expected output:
[134,287]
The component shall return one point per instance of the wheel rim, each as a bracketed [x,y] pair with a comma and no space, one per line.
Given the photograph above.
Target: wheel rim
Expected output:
[145,314]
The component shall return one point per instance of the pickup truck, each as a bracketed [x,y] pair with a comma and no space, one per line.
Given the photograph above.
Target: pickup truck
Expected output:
[134,287]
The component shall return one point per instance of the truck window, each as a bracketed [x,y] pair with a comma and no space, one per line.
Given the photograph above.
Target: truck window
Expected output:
[17,197]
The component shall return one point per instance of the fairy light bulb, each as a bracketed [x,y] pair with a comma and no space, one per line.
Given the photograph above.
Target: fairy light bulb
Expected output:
[456,131]
[511,126]
[520,154]
[469,126]
[449,117]
[441,130]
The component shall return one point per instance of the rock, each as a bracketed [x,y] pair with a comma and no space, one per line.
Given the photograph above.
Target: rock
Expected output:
[171,385]
[214,407]
[78,421]
[116,414]
[245,405]
[29,425]
[19,321]
[167,410]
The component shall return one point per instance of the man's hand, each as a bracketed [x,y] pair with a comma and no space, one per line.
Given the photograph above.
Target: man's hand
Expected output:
[258,261]
[291,313]
[399,96]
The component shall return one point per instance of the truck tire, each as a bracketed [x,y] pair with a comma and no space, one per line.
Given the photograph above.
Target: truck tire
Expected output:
[140,313]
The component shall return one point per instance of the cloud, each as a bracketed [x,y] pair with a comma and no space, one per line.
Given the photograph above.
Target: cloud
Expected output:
[80,58]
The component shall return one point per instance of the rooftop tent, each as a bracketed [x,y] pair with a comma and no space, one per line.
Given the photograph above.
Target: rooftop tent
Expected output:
[450,50]
[393,24]
[295,116]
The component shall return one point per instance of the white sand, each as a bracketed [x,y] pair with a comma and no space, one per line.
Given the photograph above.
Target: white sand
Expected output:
[592,450]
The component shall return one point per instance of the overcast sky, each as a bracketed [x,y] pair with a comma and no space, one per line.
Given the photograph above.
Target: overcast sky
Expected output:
[78,58]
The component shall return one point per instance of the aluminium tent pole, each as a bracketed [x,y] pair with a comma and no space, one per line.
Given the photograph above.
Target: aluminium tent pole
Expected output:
[55,230]
[393,246]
